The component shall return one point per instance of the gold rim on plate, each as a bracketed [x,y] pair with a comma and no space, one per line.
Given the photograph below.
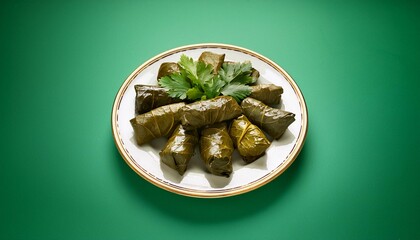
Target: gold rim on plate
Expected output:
[203,193]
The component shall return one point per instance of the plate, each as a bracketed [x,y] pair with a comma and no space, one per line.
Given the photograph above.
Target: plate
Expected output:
[197,182]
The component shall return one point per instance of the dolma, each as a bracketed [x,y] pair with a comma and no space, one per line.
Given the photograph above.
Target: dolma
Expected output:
[207,112]
[167,68]
[272,120]
[216,149]
[255,74]
[150,97]
[213,59]
[269,94]
[248,139]
[157,123]
[179,149]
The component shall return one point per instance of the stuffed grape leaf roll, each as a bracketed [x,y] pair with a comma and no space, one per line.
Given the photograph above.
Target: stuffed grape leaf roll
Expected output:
[272,120]
[157,123]
[150,97]
[255,74]
[179,149]
[248,139]
[269,94]
[216,149]
[214,59]
[207,112]
[167,68]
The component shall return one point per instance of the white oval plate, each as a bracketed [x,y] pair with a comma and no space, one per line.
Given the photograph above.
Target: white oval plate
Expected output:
[197,182]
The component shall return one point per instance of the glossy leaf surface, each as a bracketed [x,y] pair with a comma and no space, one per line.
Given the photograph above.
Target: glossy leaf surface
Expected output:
[149,97]
[269,94]
[167,68]
[207,112]
[248,139]
[159,122]
[179,149]
[216,149]
[214,59]
[272,120]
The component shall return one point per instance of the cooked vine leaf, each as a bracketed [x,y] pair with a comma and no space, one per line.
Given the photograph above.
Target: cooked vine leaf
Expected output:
[248,139]
[157,123]
[150,97]
[269,94]
[255,74]
[214,59]
[216,149]
[272,120]
[179,149]
[207,112]
[167,68]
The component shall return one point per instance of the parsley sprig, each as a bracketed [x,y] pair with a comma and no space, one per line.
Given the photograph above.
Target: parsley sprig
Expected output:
[196,80]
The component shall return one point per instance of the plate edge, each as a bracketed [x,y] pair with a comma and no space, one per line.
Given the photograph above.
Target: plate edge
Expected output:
[213,194]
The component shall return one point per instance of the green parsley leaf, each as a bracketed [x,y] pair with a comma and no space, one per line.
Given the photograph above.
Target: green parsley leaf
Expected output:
[243,79]
[176,85]
[202,78]
[197,71]
[194,93]
[204,72]
[196,80]
[190,68]
[237,91]
[213,86]
[236,72]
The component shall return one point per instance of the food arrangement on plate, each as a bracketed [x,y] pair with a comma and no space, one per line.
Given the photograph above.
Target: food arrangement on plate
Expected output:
[211,103]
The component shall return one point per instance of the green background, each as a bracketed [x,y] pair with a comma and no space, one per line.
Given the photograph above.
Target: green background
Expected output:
[357,64]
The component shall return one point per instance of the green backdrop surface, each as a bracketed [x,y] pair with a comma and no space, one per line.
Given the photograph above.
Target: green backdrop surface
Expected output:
[357,64]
